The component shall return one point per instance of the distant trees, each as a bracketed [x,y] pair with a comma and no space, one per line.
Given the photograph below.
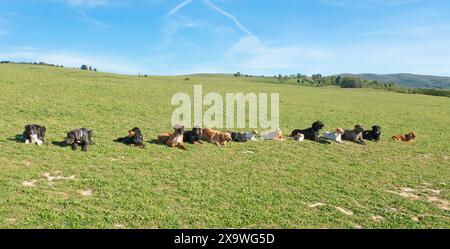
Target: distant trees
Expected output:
[350,82]
[88,68]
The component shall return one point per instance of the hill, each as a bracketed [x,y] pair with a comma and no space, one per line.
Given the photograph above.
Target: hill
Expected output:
[252,185]
[408,80]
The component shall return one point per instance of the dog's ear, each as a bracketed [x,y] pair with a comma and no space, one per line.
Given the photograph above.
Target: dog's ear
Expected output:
[42,131]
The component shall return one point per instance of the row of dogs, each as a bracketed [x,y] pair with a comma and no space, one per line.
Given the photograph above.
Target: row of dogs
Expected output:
[35,134]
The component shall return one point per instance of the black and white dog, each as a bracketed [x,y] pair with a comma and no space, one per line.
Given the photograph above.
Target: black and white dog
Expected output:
[134,138]
[34,134]
[374,134]
[312,133]
[81,136]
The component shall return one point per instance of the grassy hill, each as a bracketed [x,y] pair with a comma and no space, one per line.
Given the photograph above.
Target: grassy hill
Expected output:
[408,80]
[253,185]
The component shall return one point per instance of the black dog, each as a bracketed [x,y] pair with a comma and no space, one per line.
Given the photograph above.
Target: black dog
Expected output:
[355,135]
[134,138]
[81,136]
[312,133]
[34,134]
[239,137]
[374,134]
[194,136]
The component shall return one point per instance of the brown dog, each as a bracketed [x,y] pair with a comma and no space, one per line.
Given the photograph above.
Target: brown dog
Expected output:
[174,139]
[216,137]
[411,137]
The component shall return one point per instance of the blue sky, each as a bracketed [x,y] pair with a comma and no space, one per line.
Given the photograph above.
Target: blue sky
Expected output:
[251,36]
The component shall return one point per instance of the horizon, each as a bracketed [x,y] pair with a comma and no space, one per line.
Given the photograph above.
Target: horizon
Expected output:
[176,37]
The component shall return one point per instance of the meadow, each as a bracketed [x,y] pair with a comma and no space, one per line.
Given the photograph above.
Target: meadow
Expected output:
[253,185]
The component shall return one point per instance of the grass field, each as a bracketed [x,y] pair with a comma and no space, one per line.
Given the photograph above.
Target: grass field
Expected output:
[253,185]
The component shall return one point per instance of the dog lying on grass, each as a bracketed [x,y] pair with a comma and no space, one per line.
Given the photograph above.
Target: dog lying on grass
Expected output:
[216,137]
[194,136]
[299,137]
[312,133]
[238,137]
[243,137]
[411,137]
[355,135]
[374,134]
[334,136]
[276,135]
[34,134]
[134,138]
[80,136]
[175,139]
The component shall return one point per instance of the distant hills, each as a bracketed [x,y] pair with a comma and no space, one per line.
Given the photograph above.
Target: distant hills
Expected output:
[408,80]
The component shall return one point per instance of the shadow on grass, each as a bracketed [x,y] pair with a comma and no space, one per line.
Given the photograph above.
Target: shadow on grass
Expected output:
[154,141]
[17,138]
[61,144]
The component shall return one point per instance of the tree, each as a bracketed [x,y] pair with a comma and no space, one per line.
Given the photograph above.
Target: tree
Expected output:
[90,68]
[350,82]
[84,67]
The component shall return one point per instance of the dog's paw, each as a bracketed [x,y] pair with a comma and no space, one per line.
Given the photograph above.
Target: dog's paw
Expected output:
[27,141]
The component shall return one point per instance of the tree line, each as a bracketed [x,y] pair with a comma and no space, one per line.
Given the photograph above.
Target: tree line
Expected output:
[83,67]
[317,80]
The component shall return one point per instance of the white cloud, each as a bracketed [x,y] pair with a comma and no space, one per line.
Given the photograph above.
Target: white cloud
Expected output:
[71,59]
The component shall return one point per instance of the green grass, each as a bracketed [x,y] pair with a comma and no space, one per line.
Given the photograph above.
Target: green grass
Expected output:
[207,186]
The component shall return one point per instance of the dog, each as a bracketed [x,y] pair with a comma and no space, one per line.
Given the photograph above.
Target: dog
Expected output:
[243,137]
[80,136]
[251,136]
[34,134]
[334,136]
[411,137]
[276,135]
[175,139]
[134,138]
[239,137]
[374,134]
[312,133]
[355,135]
[216,137]
[194,136]
[299,137]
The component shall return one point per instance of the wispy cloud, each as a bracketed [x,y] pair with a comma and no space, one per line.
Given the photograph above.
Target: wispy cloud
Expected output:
[178,7]
[230,16]
[215,8]
[71,59]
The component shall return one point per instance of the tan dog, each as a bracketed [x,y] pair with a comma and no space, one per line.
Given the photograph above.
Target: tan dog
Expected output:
[411,137]
[174,139]
[276,135]
[216,137]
